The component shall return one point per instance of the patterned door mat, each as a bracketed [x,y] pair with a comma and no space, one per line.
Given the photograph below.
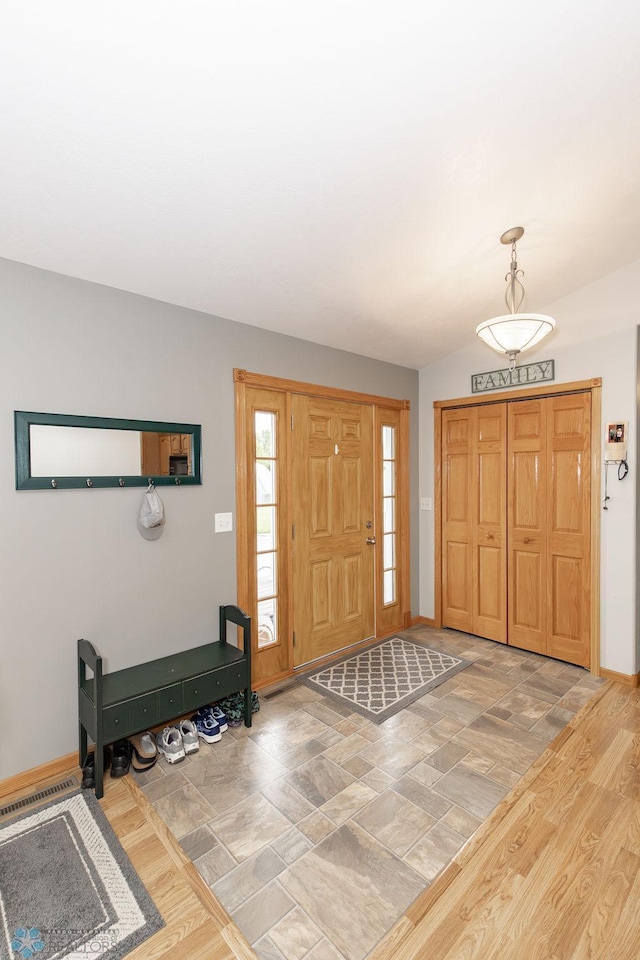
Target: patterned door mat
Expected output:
[68,889]
[386,677]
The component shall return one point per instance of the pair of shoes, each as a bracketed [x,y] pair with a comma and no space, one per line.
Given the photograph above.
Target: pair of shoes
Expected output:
[207,726]
[144,751]
[218,715]
[121,761]
[174,743]
[89,768]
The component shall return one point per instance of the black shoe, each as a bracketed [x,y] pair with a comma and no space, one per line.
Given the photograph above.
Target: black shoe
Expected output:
[89,768]
[121,758]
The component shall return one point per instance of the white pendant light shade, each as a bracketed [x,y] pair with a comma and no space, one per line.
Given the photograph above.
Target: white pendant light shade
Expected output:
[514,332]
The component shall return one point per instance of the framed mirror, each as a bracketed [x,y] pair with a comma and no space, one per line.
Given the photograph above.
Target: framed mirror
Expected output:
[56,450]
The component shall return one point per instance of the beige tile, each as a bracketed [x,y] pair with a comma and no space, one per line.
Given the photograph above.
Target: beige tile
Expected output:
[424,773]
[394,821]
[346,803]
[346,748]
[316,826]
[164,784]
[475,762]
[422,796]
[377,779]
[472,791]
[353,888]
[266,949]
[215,863]
[435,850]
[291,845]
[304,728]
[503,775]
[461,821]
[197,842]
[184,809]
[324,951]
[229,776]
[501,742]
[303,752]
[248,878]
[249,826]
[288,801]
[319,780]
[457,707]
[295,935]
[357,766]
[395,758]
[327,711]
[447,756]
[257,915]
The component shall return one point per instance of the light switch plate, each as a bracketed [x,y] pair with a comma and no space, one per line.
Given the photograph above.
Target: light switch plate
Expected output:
[223,522]
[425,503]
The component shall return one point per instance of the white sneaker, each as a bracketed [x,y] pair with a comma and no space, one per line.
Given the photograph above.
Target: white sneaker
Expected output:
[169,743]
[189,735]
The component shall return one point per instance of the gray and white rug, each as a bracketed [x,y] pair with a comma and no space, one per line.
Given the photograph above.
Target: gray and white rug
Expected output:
[67,888]
[386,677]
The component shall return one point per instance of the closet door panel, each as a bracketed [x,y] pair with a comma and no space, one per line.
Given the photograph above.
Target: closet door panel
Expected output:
[457,531]
[527,524]
[569,559]
[489,516]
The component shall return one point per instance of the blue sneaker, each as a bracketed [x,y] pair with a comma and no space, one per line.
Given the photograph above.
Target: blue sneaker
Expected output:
[208,728]
[218,715]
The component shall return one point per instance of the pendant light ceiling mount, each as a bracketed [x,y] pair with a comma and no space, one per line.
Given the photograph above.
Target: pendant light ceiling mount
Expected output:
[515,332]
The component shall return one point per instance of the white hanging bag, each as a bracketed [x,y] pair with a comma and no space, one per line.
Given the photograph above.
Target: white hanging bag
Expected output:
[151,518]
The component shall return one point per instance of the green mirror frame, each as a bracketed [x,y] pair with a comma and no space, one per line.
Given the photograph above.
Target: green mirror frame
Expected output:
[24,420]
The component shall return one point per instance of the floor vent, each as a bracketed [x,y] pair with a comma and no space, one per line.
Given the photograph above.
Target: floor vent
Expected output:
[37,797]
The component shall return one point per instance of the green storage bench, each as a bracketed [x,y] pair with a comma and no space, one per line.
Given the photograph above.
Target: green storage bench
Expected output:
[113,706]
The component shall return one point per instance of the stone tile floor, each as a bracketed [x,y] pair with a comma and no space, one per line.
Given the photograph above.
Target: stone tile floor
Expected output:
[316,828]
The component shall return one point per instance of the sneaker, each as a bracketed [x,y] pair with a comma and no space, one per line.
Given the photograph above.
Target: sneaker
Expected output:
[208,728]
[218,715]
[169,743]
[145,752]
[189,734]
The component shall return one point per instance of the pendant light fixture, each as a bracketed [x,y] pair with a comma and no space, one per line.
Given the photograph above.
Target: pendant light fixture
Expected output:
[515,332]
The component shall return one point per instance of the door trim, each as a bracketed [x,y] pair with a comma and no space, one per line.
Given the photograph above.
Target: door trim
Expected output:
[593,386]
[244,379]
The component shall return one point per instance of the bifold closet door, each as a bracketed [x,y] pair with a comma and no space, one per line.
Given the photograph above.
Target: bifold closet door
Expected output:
[549,528]
[474,568]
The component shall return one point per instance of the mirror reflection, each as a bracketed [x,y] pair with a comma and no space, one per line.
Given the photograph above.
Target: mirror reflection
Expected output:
[81,451]
[61,450]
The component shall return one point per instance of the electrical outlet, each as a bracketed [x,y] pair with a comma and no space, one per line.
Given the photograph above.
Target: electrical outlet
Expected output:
[425,503]
[223,522]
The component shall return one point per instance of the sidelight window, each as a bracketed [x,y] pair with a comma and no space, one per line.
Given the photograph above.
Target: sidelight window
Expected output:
[266,508]
[389,515]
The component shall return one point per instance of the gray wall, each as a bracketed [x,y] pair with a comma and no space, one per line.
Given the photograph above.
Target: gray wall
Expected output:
[72,563]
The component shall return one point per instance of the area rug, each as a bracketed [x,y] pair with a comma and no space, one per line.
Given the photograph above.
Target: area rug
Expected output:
[67,888]
[386,677]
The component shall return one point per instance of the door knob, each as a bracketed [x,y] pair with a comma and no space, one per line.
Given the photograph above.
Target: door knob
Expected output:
[371,540]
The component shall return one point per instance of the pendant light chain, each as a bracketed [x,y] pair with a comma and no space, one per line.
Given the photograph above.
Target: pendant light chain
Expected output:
[513,281]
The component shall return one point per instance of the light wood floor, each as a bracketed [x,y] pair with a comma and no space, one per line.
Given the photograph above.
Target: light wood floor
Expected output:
[551,875]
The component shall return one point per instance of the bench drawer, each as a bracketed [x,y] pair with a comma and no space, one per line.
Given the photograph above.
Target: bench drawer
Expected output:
[209,687]
[116,722]
[170,702]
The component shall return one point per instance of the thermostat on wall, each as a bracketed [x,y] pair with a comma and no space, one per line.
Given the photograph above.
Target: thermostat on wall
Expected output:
[615,447]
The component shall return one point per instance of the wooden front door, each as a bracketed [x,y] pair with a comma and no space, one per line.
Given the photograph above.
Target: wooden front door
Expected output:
[333,564]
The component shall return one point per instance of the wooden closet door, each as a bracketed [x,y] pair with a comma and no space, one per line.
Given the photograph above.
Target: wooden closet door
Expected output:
[549,531]
[473,520]
[490,522]
[568,585]
[527,524]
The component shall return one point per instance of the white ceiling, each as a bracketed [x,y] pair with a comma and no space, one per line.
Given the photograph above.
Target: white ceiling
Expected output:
[340,171]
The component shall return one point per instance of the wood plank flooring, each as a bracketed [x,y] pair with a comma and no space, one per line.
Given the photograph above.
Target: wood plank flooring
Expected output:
[553,874]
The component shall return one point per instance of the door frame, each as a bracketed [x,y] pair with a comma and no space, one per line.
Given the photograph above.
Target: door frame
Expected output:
[594,387]
[244,379]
